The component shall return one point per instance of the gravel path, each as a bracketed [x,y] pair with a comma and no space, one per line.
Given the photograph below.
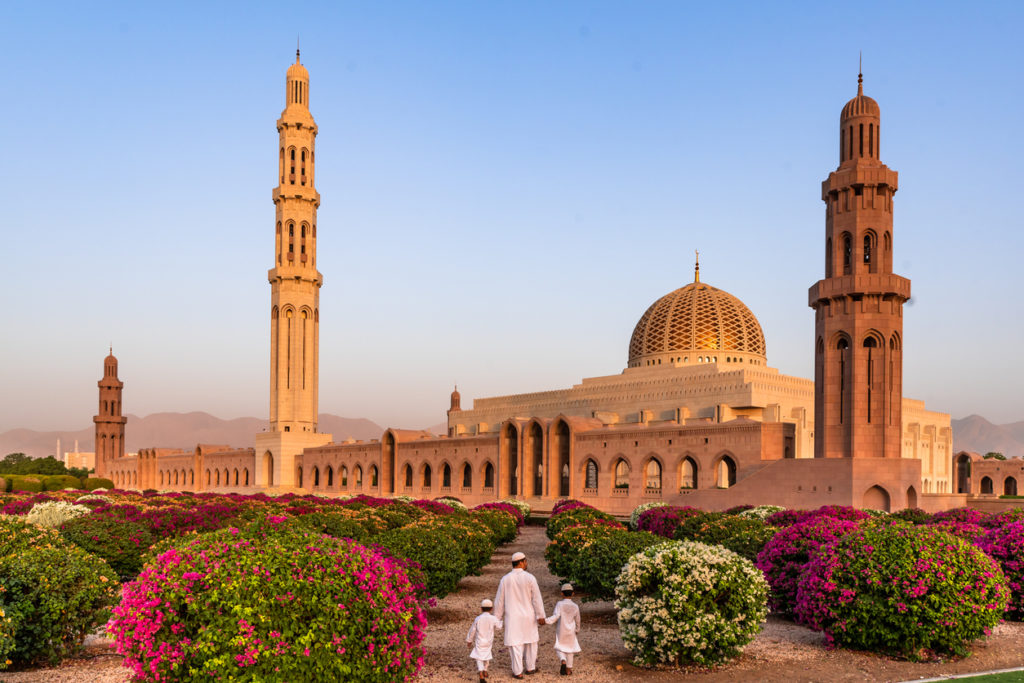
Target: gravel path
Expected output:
[783,652]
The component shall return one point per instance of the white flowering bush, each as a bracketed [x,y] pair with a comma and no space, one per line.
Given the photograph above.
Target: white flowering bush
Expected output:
[642,508]
[451,501]
[761,512]
[403,498]
[94,498]
[52,514]
[683,602]
[522,506]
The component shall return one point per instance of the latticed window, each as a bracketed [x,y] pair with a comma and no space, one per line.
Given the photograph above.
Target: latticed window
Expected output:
[621,474]
[591,476]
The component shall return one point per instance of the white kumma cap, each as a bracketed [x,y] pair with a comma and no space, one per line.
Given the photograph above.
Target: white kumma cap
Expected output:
[518,556]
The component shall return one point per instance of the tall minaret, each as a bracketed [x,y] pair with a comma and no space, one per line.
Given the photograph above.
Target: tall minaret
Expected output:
[109,422]
[294,280]
[858,306]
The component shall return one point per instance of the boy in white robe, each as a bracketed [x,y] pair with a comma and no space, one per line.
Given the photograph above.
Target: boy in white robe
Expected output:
[481,637]
[567,614]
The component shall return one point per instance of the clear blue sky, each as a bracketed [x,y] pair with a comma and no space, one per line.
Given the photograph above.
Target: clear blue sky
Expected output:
[506,186]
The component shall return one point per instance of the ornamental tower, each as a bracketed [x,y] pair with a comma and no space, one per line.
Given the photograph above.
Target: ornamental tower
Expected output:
[109,422]
[294,280]
[858,306]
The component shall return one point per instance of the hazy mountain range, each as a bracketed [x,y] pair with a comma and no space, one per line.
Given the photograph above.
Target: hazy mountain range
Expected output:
[185,430]
[175,430]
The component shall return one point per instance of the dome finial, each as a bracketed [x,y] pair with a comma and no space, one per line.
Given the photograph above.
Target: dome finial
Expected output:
[296,49]
[696,267]
[860,73]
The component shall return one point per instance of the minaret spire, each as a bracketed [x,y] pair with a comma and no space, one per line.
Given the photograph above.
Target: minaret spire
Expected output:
[696,267]
[860,74]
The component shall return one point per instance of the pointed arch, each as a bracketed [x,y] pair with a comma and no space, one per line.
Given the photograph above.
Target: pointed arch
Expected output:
[591,474]
[561,448]
[488,475]
[425,477]
[467,476]
[316,477]
[1010,486]
[986,485]
[357,476]
[621,471]
[343,477]
[407,476]
[725,471]
[374,476]
[446,476]
[688,473]
[652,474]
[877,498]
[329,471]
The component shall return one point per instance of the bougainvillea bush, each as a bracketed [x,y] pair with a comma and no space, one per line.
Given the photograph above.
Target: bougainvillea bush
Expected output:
[634,517]
[967,515]
[567,504]
[54,596]
[742,535]
[761,512]
[572,516]
[596,569]
[789,550]
[1006,546]
[284,606]
[503,525]
[913,515]
[685,602]
[120,542]
[915,592]
[431,546]
[508,508]
[562,553]
[664,520]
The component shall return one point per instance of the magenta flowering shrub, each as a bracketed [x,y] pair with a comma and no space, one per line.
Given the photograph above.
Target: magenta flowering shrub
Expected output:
[504,507]
[903,590]
[1005,517]
[664,520]
[434,506]
[788,552]
[282,606]
[967,515]
[791,517]
[965,530]
[784,518]
[572,515]
[1006,546]
[567,504]
[913,515]
[17,507]
[120,542]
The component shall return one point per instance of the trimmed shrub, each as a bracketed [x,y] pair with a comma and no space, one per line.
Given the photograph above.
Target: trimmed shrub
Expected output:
[93,501]
[30,484]
[786,554]
[685,602]
[337,523]
[1005,545]
[502,524]
[570,543]
[17,535]
[566,504]
[596,569]
[93,483]
[120,542]
[434,506]
[968,515]
[742,535]
[279,605]
[664,520]
[475,539]
[430,546]
[507,508]
[964,530]
[523,507]
[54,597]
[59,482]
[634,517]
[452,501]
[908,591]
[54,513]
[913,515]
[572,516]
[761,512]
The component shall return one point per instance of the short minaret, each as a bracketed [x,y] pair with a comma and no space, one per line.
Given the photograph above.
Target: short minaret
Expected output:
[294,295]
[109,422]
[859,304]
[294,280]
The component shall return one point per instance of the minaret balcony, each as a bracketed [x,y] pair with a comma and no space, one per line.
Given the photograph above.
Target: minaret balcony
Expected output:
[859,175]
[866,283]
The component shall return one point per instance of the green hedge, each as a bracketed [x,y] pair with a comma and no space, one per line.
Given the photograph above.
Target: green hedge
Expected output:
[59,482]
[23,483]
[93,483]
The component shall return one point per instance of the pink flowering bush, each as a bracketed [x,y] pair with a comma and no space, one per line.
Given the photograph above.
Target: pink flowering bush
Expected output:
[967,515]
[120,542]
[915,592]
[1005,517]
[517,515]
[968,532]
[268,605]
[570,516]
[567,504]
[1006,546]
[788,552]
[435,506]
[913,515]
[664,520]
[790,517]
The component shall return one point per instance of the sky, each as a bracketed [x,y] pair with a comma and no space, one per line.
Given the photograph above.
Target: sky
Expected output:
[506,187]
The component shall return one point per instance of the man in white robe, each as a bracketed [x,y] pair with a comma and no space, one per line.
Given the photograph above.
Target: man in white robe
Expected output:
[519,605]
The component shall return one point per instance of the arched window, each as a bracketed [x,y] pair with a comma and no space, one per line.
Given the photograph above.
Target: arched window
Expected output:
[236,477]
[467,476]
[343,475]
[843,346]
[330,477]
[622,474]
[688,474]
[652,475]
[373,475]
[408,475]
[986,485]
[867,248]
[426,476]
[590,480]
[726,474]
[357,476]
[246,472]
[1010,487]
[847,253]
[488,475]
[316,477]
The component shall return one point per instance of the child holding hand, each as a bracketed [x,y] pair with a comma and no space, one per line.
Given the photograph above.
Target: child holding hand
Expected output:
[567,614]
[481,637]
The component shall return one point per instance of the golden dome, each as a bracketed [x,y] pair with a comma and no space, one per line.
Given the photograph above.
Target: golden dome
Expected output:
[695,324]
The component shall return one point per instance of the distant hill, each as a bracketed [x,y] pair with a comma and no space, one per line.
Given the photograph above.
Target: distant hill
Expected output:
[975,433]
[175,430]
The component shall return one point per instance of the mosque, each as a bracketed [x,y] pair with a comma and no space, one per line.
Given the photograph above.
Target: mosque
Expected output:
[697,416]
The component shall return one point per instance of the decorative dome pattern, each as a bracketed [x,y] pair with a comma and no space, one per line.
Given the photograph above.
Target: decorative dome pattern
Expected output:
[696,318]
